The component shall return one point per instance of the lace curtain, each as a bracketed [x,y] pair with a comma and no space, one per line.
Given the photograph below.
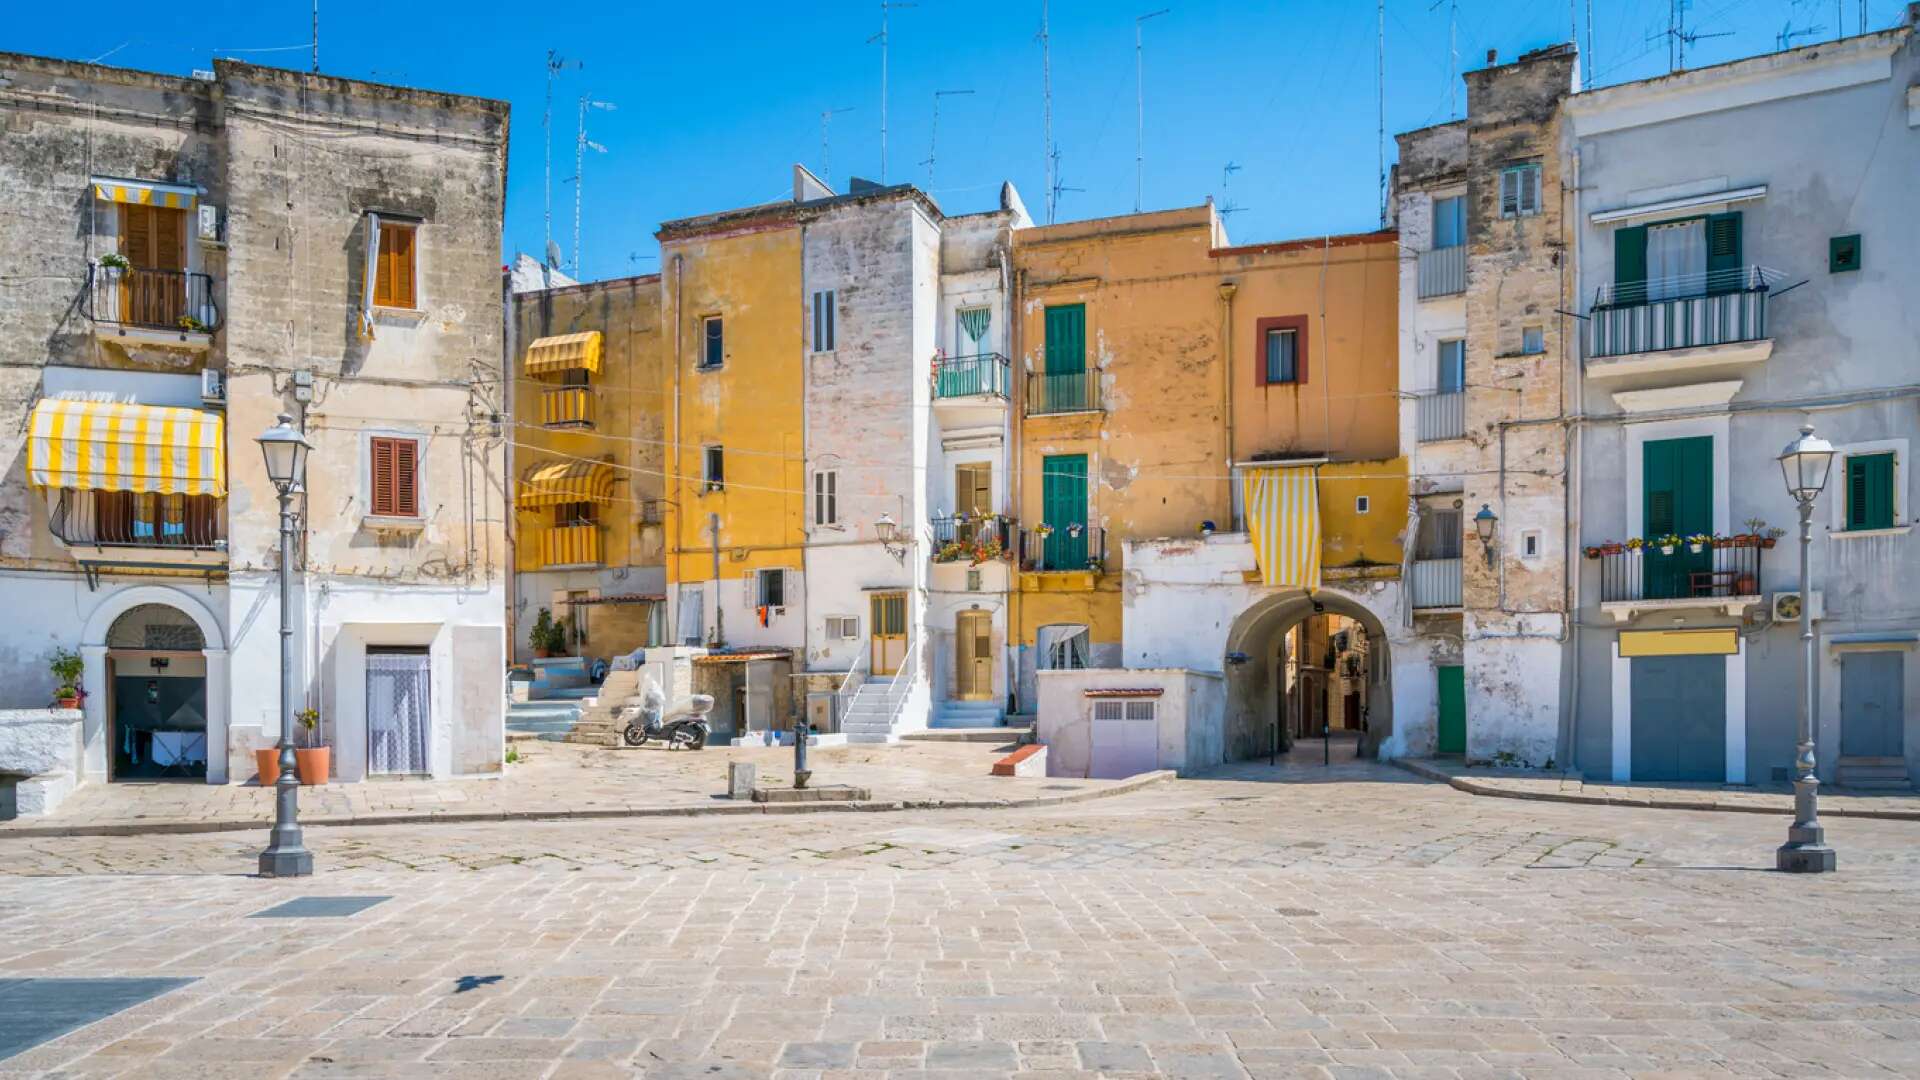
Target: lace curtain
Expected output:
[398,712]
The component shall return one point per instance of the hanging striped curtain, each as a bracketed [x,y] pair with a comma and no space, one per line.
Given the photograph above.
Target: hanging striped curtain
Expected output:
[974,321]
[398,712]
[1283,518]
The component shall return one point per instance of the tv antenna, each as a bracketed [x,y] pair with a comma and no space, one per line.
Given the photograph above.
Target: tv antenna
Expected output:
[1784,39]
[933,148]
[885,39]
[1380,98]
[826,149]
[581,145]
[1059,187]
[1679,37]
[1227,208]
[555,65]
[1453,55]
[1140,109]
[1049,156]
[316,36]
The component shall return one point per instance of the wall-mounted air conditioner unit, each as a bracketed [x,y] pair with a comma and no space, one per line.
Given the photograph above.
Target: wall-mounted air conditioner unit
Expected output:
[1786,607]
[213,387]
[209,223]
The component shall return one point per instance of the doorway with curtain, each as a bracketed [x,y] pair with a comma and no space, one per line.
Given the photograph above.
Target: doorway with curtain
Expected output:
[399,711]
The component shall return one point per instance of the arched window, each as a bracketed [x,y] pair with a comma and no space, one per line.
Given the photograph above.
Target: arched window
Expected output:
[156,626]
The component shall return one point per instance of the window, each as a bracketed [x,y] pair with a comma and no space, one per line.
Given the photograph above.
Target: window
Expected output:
[973,581]
[1533,339]
[1439,535]
[715,459]
[1066,328]
[568,514]
[394,482]
[772,590]
[1530,544]
[843,627]
[823,315]
[394,269]
[149,519]
[713,342]
[1667,260]
[1520,190]
[692,615]
[1362,504]
[1064,647]
[1843,254]
[970,325]
[1452,375]
[826,498]
[1869,491]
[1282,345]
[1449,222]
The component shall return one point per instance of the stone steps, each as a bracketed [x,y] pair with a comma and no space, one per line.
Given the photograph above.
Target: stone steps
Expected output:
[1873,774]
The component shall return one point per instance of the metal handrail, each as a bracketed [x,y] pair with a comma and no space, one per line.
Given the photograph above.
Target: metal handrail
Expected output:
[1070,553]
[974,529]
[969,376]
[1686,286]
[1050,393]
[851,682]
[155,299]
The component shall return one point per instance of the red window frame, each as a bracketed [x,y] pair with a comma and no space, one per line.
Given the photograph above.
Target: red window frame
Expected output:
[1295,323]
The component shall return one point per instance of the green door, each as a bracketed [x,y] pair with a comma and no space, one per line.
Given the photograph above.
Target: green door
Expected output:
[1065,386]
[1453,709]
[1678,490]
[1873,715]
[1063,507]
[1679,723]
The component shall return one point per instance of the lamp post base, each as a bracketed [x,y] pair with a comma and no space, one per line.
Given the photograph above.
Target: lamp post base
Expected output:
[296,863]
[1815,858]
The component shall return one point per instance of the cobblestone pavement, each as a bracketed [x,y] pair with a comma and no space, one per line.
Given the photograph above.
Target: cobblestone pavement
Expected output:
[1759,799]
[560,778]
[1354,921]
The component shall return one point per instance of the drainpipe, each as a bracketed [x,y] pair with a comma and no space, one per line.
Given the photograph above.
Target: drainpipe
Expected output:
[1016,348]
[1227,289]
[719,609]
[1004,264]
[672,491]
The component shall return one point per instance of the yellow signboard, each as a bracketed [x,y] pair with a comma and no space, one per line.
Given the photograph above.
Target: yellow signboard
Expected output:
[1716,642]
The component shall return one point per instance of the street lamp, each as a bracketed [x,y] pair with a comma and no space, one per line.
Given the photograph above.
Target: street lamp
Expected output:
[887,531]
[286,855]
[1483,523]
[1805,464]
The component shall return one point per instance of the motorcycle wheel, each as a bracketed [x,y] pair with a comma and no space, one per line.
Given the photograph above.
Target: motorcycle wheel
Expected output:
[634,735]
[699,740]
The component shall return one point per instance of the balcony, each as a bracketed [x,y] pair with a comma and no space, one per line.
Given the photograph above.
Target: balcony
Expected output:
[1667,324]
[1443,272]
[1063,549]
[561,545]
[567,407]
[172,307]
[963,538]
[125,528]
[1435,583]
[1055,394]
[971,376]
[1440,415]
[1725,576]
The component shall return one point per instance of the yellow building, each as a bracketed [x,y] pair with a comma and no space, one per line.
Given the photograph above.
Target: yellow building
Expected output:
[588,435]
[732,396]
[1159,362]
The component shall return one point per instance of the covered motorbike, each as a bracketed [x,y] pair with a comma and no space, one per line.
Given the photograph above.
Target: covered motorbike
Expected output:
[648,718]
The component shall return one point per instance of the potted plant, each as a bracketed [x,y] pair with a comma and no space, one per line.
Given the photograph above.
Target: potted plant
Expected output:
[1612,547]
[1698,542]
[115,261]
[266,762]
[1593,552]
[1768,538]
[1667,543]
[547,636]
[66,667]
[314,763]
[1074,530]
[1634,544]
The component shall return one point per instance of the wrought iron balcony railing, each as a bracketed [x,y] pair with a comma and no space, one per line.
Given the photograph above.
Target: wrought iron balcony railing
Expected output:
[1063,548]
[1071,392]
[972,538]
[1721,307]
[139,520]
[567,406]
[175,300]
[1649,573]
[969,376]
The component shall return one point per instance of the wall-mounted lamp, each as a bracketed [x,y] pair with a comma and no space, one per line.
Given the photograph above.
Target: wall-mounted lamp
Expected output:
[1483,523]
[887,531]
[1236,658]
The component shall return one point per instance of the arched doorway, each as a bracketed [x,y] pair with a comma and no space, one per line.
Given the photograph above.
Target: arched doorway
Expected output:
[1298,663]
[156,704]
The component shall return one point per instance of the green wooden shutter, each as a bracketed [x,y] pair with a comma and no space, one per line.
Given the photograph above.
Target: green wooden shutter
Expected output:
[1066,339]
[1063,504]
[1677,487]
[1870,491]
[1630,265]
[1723,252]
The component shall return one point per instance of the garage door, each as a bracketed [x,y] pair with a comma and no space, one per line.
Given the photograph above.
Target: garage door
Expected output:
[1126,739]
[1680,718]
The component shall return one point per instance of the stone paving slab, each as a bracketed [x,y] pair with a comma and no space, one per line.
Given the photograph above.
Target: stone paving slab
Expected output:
[1566,787]
[563,780]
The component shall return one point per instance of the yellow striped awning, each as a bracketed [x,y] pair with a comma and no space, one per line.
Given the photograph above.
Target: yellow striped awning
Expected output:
[567,482]
[102,446]
[1283,517]
[565,352]
[145,192]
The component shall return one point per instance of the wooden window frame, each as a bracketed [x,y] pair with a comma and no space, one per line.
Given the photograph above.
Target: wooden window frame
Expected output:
[701,363]
[1261,327]
[761,590]
[387,282]
[401,497]
[1534,187]
[825,304]
[826,497]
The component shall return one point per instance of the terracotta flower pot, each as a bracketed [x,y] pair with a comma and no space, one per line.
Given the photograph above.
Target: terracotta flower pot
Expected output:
[314,764]
[267,764]
[68,702]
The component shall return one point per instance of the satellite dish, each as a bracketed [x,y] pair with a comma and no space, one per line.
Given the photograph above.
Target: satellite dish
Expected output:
[553,255]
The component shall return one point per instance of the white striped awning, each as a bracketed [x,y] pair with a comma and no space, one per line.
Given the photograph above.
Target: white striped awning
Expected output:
[1283,519]
[145,192]
[103,446]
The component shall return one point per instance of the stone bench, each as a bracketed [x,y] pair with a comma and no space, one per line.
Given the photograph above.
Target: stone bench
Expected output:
[39,759]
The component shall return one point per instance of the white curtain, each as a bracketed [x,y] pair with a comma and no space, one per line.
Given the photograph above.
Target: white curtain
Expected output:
[1063,647]
[372,277]
[1676,260]
[399,711]
[692,617]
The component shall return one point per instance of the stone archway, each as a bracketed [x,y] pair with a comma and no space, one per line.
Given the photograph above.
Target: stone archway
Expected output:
[1253,673]
[94,648]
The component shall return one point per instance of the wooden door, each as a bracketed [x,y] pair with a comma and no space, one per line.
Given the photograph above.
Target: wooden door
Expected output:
[153,239]
[1063,506]
[888,617]
[973,494]
[1678,491]
[973,652]
[1453,709]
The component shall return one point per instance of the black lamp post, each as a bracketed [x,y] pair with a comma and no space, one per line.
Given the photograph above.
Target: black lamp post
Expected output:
[1804,464]
[286,854]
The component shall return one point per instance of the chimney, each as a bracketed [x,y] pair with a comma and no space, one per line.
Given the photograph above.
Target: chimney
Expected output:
[1493,57]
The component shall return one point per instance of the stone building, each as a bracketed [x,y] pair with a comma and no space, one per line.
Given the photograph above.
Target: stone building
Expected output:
[191,257]
[1487,369]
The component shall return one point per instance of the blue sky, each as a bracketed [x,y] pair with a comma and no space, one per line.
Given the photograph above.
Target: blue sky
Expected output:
[714,101]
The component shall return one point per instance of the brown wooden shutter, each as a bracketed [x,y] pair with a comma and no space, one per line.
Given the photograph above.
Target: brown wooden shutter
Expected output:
[169,239]
[394,276]
[136,234]
[406,486]
[385,497]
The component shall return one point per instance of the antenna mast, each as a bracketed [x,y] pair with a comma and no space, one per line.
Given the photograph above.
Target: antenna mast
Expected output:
[555,64]
[580,147]
[1046,113]
[1586,65]
[1380,76]
[316,33]
[826,149]
[885,40]
[1453,55]
[933,149]
[1140,110]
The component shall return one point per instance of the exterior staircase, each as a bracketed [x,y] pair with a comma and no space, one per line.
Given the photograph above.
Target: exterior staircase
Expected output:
[549,720]
[884,706]
[1873,774]
[966,714]
[596,725]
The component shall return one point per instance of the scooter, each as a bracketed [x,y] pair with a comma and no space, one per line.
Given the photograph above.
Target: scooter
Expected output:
[686,727]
